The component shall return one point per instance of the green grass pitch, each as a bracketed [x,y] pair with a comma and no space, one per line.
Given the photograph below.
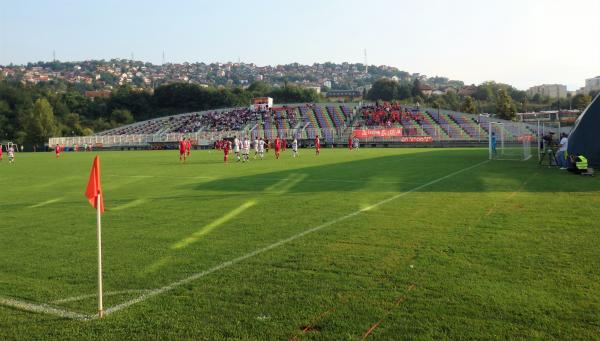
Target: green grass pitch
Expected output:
[381,244]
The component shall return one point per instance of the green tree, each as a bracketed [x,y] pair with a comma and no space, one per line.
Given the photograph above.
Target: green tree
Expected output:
[121,117]
[404,91]
[416,88]
[259,88]
[485,91]
[439,103]
[581,101]
[383,89]
[468,105]
[41,123]
[524,105]
[5,112]
[294,94]
[505,107]
[453,100]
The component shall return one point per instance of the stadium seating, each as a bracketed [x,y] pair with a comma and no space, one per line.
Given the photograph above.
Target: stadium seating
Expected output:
[333,122]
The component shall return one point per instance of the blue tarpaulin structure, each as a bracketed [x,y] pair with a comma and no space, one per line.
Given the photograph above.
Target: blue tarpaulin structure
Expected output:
[585,135]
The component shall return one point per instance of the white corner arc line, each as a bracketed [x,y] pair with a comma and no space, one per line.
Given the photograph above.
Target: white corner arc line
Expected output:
[43,308]
[226,264]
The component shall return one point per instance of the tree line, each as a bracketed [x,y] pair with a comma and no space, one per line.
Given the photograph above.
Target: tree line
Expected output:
[500,99]
[31,114]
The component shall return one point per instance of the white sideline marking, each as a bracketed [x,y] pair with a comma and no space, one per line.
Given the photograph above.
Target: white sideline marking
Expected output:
[226,264]
[43,308]
[110,293]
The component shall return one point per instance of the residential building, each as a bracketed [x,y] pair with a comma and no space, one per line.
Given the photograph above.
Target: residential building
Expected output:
[548,90]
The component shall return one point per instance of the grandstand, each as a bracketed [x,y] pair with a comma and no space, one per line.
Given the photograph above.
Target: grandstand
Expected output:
[333,122]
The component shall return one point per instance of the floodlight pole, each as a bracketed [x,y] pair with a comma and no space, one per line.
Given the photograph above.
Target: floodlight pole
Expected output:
[99,238]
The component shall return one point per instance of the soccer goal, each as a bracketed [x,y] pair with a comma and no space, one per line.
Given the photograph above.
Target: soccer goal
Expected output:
[509,141]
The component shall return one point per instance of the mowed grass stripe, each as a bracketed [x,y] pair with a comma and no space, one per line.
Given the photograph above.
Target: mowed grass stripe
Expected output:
[465,272]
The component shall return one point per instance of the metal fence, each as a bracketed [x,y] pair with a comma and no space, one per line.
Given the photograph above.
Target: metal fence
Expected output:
[335,136]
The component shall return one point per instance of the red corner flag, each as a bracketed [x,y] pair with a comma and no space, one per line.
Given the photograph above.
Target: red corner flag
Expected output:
[94,188]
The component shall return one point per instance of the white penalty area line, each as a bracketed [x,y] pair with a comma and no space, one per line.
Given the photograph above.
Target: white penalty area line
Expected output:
[43,308]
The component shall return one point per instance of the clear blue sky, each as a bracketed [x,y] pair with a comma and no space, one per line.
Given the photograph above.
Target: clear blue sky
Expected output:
[520,42]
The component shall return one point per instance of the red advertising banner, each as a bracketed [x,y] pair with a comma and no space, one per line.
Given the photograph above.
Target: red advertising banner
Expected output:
[366,133]
[416,139]
[525,137]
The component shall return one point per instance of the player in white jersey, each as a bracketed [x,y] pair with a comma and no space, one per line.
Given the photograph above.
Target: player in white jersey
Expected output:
[245,149]
[295,147]
[236,148]
[255,147]
[11,154]
[261,148]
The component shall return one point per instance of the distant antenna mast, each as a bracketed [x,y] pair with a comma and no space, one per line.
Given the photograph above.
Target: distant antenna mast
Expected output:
[366,65]
[132,56]
[163,58]
[53,55]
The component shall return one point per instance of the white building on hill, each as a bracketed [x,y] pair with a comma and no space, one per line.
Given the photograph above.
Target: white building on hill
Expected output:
[548,90]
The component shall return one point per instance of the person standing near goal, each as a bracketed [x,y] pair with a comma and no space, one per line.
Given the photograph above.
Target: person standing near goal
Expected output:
[561,155]
[493,143]
[261,148]
[295,148]
[317,145]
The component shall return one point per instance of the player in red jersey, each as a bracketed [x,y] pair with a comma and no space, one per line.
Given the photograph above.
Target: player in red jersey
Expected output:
[57,151]
[188,147]
[350,142]
[225,148]
[283,144]
[182,150]
[0,152]
[277,147]
[317,144]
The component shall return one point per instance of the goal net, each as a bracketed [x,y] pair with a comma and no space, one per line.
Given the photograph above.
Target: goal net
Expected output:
[510,141]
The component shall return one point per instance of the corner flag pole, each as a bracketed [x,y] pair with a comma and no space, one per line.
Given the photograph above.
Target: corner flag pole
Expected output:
[94,194]
[99,237]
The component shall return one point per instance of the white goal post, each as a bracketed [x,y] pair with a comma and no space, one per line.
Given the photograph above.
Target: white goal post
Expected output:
[509,141]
